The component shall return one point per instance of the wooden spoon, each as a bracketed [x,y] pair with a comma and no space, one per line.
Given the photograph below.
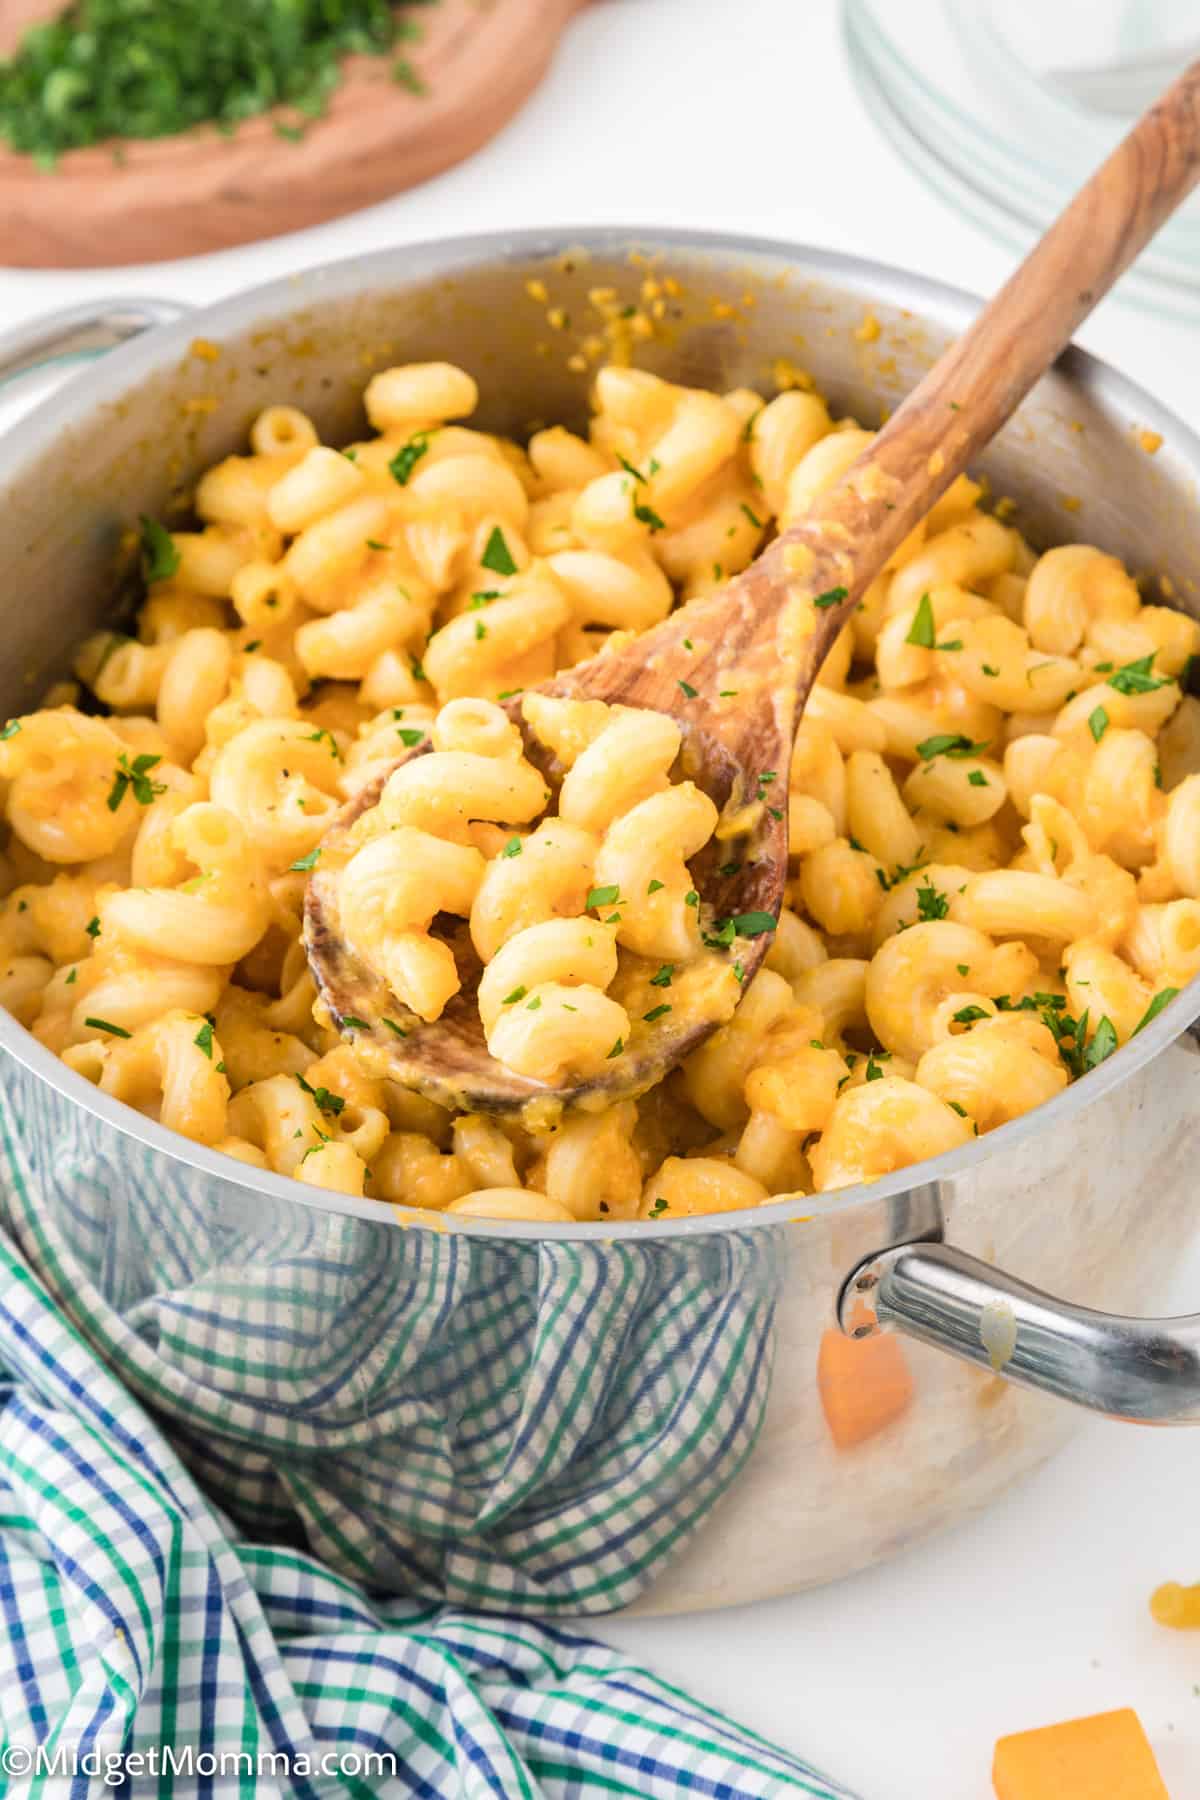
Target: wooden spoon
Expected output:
[735,668]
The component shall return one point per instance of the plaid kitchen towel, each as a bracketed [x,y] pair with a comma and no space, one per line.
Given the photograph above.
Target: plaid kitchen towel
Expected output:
[145,1649]
[482,1423]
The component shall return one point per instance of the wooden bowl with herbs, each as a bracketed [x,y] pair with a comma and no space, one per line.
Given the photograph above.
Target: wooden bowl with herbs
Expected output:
[135,132]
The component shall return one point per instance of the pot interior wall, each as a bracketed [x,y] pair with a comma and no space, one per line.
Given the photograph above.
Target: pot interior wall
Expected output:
[131,436]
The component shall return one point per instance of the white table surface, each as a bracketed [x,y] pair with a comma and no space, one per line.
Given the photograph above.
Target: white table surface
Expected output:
[741,114]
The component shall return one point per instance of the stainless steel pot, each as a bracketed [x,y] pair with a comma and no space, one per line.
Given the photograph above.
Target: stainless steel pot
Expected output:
[648,1395]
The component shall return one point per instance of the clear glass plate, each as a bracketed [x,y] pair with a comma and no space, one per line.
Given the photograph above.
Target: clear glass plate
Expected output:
[1006,106]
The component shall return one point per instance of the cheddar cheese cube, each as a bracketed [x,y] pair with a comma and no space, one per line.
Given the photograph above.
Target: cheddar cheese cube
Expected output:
[1106,1757]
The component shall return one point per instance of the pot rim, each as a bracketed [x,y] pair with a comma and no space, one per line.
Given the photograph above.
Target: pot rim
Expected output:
[123,368]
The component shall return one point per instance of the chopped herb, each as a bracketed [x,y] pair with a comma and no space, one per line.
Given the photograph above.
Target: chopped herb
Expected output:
[922,630]
[656,1012]
[752,516]
[830,597]
[960,1110]
[418,669]
[319,736]
[1104,1042]
[727,694]
[729,868]
[654,465]
[657,1206]
[405,76]
[396,1030]
[685,687]
[293,133]
[616,1049]
[882,879]
[93,927]
[484,597]
[739,970]
[977,778]
[567,1007]
[135,775]
[1135,678]
[305,863]
[602,896]
[722,937]
[663,978]
[535,1005]
[70,982]
[10,730]
[931,902]
[1104,668]
[748,427]
[374,544]
[203,1039]
[855,845]
[407,457]
[718,572]
[967,1015]
[754,924]
[409,735]
[874,1072]
[1098,723]
[252,646]
[646,515]
[1163,998]
[948,743]
[691,898]
[496,555]
[951,644]
[613,919]
[518,993]
[510,693]
[104,1025]
[328,1102]
[160,558]
[988,669]
[352,1022]
[654,887]
[688,644]
[629,468]
[480,630]
[513,847]
[963,968]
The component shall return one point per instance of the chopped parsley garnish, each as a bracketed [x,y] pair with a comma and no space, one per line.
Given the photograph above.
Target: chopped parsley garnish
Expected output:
[602,896]
[510,693]
[722,937]
[480,630]
[135,775]
[105,1025]
[252,646]
[629,468]
[496,555]
[646,515]
[513,847]
[352,1022]
[727,694]
[656,1012]
[1104,1042]
[1163,998]
[405,76]
[375,544]
[963,968]
[739,970]
[518,993]
[754,924]
[71,978]
[691,898]
[203,1039]
[657,1205]
[319,736]
[1098,723]
[328,1102]
[752,516]
[10,730]
[967,1015]
[922,630]
[535,1005]
[663,978]
[977,778]
[988,670]
[160,558]
[873,1071]
[409,735]
[950,644]
[1135,677]
[418,669]
[685,687]
[830,597]
[616,1049]
[948,743]
[931,902]
[407,457]
[396,1030]
[93,927]
[305,863]
[484,597]
[955,1107]
[654,887]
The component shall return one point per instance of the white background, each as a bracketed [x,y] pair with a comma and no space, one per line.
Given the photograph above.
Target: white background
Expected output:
[741,114]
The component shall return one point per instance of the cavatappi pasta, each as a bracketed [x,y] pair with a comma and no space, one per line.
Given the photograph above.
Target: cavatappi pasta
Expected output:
[993,802]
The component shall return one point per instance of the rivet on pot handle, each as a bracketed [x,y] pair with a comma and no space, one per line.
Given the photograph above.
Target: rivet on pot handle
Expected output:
[1143,1370]
[77,331]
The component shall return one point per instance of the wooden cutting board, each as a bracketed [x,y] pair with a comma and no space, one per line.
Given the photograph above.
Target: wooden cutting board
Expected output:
[147,200]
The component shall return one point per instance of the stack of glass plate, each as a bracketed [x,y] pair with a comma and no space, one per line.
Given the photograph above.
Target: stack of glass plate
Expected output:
[1006,106]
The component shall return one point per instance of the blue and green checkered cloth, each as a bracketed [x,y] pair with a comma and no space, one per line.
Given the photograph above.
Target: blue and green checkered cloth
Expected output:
[135,1616]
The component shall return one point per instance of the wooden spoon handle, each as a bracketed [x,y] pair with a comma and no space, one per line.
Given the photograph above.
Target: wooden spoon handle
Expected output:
[982,378]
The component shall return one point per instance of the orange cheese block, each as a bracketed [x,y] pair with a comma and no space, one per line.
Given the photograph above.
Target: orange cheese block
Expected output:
[1105,1757]
[864,1384]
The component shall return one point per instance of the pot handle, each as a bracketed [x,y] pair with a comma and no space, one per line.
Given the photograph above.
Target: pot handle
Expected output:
[1142,1370]
[86,330]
